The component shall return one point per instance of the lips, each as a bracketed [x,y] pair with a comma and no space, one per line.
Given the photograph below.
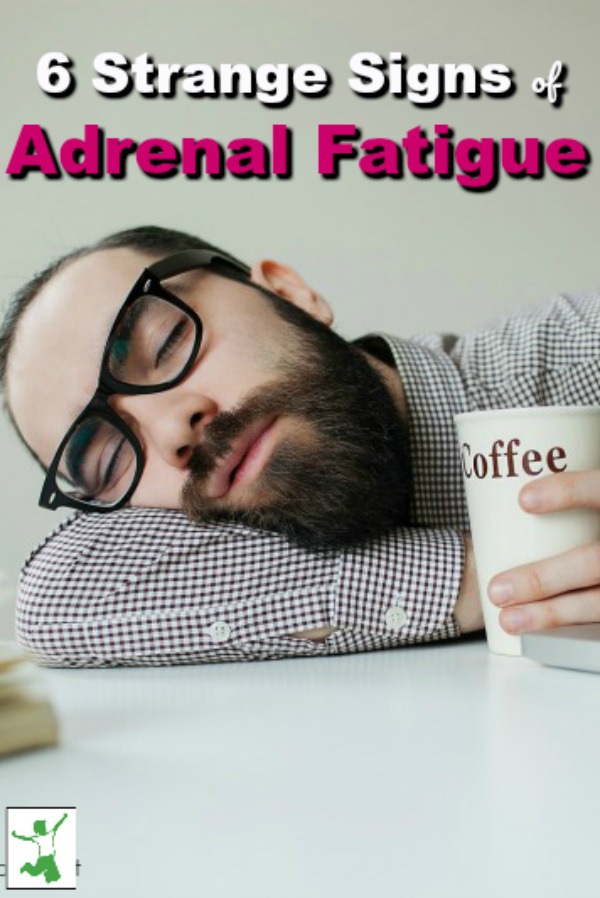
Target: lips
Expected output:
[222,478]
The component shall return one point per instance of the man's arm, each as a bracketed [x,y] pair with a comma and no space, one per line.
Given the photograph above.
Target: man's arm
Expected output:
[61,821]
[147,587]
[546,354]
[468,612]
[24,838]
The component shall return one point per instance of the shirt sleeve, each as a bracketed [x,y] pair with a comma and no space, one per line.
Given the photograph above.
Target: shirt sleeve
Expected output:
[145,586]
[545,354]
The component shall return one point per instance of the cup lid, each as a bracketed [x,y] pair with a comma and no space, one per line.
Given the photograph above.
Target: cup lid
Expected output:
[537,410]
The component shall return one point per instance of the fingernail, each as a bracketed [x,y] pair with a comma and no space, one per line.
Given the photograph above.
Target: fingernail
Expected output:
[515,620]
[501,591]
[531,499]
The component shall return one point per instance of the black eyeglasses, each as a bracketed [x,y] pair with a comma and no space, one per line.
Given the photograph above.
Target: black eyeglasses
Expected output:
[152,344]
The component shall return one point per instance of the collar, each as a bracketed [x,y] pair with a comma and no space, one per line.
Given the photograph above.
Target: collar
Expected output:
[434,393]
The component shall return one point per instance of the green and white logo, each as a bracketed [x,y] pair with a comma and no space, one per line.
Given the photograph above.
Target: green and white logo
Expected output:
[41,848]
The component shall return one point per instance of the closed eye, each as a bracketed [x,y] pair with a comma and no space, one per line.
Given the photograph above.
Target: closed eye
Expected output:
[113,463]
[172,341]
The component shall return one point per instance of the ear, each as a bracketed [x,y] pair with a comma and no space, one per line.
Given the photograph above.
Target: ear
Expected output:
[287,283]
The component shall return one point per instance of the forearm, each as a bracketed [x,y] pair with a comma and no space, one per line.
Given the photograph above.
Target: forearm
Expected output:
[149,588]
[467,612]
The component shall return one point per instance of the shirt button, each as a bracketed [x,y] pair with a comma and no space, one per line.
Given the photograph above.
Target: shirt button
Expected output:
[395,618]
[220,631]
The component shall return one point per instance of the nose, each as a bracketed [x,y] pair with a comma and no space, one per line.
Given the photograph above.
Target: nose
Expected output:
[171,423]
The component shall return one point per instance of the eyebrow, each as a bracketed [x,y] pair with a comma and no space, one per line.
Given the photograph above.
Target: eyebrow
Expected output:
[179,283]
[185,282]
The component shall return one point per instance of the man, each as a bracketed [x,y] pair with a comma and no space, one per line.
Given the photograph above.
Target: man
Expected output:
[46,859]
[321,478]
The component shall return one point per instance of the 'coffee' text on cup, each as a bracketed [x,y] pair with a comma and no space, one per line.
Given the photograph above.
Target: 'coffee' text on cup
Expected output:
[508,461]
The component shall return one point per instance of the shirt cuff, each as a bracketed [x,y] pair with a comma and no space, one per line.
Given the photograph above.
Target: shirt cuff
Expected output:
[401,589]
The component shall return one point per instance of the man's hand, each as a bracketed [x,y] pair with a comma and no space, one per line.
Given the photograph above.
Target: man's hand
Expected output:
[561,590]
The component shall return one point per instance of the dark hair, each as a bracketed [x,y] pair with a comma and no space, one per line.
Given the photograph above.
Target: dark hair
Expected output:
[147,239]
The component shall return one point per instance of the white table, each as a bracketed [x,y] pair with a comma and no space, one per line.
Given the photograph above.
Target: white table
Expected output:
[431,772]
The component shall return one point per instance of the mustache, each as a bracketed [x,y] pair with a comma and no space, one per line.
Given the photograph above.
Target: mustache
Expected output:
[217,442]
[227,426]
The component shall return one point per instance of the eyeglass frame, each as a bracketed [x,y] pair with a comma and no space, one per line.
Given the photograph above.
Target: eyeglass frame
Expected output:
[149,281]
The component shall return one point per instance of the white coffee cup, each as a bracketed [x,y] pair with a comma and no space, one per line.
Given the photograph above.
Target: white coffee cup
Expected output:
[501,450]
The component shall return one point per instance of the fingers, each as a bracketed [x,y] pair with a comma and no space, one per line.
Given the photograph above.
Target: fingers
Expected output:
[573,608]
[555,592]
[558,591]
[576,569]
[558,492]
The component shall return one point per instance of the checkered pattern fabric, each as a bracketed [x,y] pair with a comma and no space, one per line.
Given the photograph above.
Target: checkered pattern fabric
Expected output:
[146,587]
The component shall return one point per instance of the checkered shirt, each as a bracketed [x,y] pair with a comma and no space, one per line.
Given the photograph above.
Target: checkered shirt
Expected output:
[144,586]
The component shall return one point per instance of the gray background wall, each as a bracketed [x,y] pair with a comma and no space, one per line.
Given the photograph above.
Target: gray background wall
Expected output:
[405,255]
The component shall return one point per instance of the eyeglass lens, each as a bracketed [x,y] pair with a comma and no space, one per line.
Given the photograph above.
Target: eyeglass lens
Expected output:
[98,463]
[151,345]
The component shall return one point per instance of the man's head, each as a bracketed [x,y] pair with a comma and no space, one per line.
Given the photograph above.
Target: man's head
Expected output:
[39,827]
[279,423]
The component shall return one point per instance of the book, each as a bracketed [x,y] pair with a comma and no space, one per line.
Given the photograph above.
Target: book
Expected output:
[27,719]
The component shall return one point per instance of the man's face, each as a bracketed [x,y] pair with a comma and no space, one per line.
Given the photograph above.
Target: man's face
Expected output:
[279,424]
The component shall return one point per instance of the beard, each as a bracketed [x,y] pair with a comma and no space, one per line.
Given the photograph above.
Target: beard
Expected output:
[343,474]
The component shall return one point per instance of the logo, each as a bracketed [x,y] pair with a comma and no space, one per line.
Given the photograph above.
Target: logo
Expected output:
[41,848]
